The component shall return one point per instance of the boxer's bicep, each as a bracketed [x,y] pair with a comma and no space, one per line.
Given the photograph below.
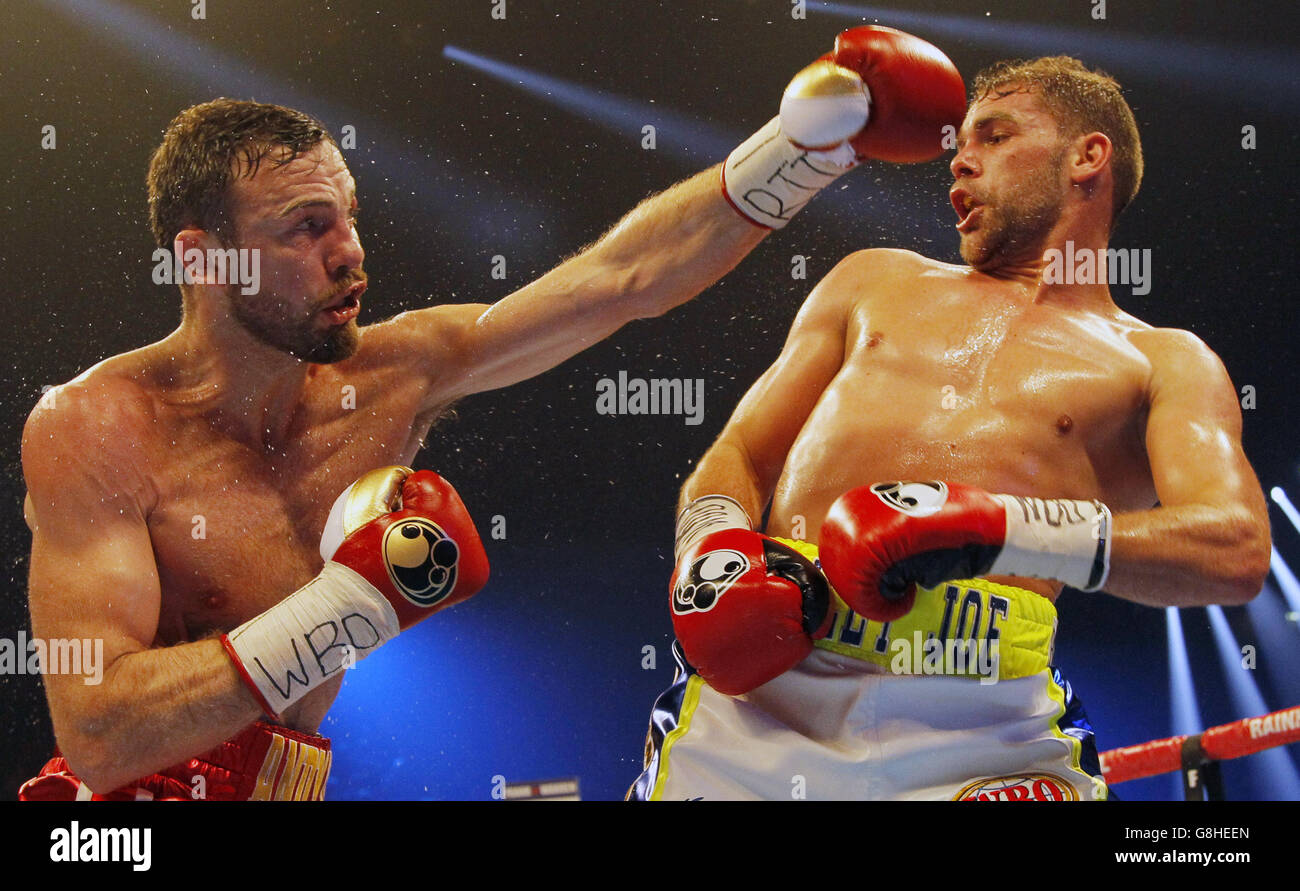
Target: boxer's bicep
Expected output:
[1193,432]
[93,577]
[768,419]
[101,593]
[436,345]
[1208,541]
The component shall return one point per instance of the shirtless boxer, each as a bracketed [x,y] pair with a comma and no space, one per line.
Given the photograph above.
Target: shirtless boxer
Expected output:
[1123,440]
[180,490]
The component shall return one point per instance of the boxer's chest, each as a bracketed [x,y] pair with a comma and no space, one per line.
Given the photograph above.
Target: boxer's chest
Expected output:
[235,529]
[1044,375]
[1018,401]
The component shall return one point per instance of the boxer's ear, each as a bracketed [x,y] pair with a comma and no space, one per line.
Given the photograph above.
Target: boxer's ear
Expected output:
[190,248]
[1089,155]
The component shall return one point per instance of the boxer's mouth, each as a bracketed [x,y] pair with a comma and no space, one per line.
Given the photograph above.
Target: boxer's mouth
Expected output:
[968,208]
[347,307]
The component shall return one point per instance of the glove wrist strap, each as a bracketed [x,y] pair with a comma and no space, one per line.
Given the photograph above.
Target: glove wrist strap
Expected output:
[1056,538]
[767,179]
[706,514]
[327,625]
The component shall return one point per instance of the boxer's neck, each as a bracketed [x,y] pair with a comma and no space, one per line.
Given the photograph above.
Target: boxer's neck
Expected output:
[1045,269]
[248,389]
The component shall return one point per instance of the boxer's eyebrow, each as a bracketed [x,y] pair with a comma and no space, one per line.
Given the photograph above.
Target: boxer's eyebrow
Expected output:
[315,202]
[992,118]
[986,121]
[306,202]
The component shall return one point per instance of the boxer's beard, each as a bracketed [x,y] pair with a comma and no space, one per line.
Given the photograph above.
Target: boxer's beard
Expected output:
[1014,227]
[260,316]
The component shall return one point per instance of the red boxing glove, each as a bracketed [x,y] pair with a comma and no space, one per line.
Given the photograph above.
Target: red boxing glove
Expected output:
[878,543]
[398,546]
[747,608]
[881,94]
[915,93]
[423,557]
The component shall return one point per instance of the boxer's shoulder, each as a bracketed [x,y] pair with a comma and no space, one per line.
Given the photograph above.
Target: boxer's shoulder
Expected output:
[435,339]
[91,436]
[423,329]
[1179,356]
[109,402]
[861,276]
[887,273]
[876,263]
[1165,344]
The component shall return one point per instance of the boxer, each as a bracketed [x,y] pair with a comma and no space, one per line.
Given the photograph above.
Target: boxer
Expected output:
[941,450]
[398,546]
[177,493]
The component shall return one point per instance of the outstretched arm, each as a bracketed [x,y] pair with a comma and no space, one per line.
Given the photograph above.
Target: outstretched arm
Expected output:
[663,253]
[882,94]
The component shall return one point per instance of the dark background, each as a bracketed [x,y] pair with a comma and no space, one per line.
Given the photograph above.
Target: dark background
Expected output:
[542,675]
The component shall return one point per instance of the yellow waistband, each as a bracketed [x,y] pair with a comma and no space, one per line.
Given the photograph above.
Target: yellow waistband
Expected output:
[970,627]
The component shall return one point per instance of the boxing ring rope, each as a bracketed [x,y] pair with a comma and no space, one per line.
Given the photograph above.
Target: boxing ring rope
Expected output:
[1197,755]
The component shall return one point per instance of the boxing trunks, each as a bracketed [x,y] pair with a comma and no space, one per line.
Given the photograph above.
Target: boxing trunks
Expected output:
[262,763]
[956,700]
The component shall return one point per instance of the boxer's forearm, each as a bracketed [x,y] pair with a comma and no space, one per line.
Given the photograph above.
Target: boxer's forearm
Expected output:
[674,245]
[668,249]
[155,708]
[1188,555]
[725,469]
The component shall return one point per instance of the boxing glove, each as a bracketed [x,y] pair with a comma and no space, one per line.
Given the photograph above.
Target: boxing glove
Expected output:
[915,93]
[746,608]
[399,546]
[880,94]
[879,543]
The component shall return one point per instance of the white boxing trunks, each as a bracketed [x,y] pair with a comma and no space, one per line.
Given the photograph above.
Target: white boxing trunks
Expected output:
[888,712]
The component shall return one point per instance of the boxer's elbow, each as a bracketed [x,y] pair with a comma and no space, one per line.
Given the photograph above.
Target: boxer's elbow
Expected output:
[657,294]
[646,287]
[612,291]
[1248,565]
[94,745]
[660,280]
[94,761]
[1249,582]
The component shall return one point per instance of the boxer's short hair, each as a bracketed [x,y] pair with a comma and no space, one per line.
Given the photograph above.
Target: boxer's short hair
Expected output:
[205,146]
[1081,101]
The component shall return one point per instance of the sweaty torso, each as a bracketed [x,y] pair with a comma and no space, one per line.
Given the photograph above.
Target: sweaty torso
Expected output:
[960,377]
[235,527]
